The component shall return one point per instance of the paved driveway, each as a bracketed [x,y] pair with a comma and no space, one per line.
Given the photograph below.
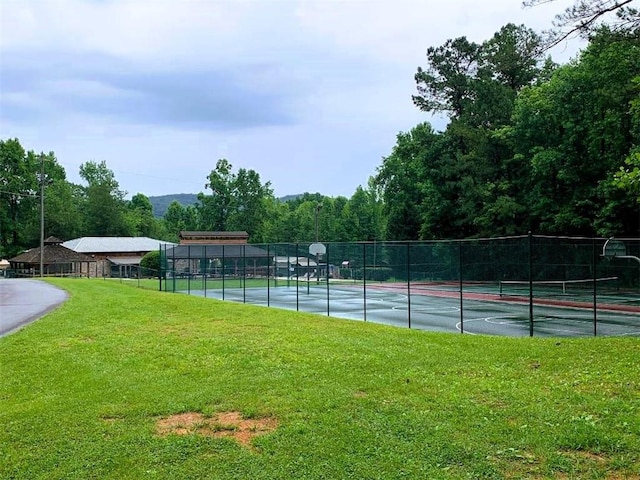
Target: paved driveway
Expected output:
[22,301]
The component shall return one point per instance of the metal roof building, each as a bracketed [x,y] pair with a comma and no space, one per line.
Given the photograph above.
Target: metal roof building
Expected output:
[116,256]
[217,237]
[114,244]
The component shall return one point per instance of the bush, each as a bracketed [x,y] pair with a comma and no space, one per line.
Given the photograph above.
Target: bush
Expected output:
[377,274]
[151,263]
[345,273]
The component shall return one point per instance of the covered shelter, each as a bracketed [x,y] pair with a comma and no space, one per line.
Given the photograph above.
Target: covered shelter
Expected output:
[56,260]
[211,238]
[115,256]
[294,266]
[215,260]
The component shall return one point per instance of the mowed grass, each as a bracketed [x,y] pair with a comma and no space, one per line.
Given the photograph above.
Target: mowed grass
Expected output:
[185,285]
[83,389]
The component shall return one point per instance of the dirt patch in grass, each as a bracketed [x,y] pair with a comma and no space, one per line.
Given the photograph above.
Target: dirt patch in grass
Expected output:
[596,462]
[225,424]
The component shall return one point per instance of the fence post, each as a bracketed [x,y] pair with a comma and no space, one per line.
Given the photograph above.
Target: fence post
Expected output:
[223,267]
[461,287]
[364,278]
[327,275]
[530,285]
[409,284]
[205,262]
[244,274]
[595,287]
[189,270]
[173,267]
[268,275]
[308,275]
[297,278]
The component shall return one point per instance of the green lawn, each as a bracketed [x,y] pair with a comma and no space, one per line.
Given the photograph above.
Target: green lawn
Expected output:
[83,390]
[198,283]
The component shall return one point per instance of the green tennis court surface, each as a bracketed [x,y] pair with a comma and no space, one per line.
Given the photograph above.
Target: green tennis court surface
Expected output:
[441,309]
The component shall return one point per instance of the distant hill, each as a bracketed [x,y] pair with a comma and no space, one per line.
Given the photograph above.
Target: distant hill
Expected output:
[162,202]
[290,198]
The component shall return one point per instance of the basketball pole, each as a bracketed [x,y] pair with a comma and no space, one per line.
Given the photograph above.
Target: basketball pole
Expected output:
[318,208]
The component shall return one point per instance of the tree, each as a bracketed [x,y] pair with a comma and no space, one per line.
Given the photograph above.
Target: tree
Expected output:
[628,178]
[512,56]
[104,206]
[19,194]
[141,216]
[236,201]
[178,218]
[575,132]
[584,17]
[276,214]
[63,217]
[478,83]
[445,85]
[363,215]
[214,208]
[405,179]
[247,203]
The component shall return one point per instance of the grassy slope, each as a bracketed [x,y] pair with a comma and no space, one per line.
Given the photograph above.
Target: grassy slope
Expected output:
[82,389]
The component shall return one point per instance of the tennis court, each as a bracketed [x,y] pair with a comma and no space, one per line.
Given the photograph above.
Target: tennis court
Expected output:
[441,309]
[516,286]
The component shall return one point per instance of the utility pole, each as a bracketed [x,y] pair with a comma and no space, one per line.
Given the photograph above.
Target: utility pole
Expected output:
[318,207]
[41,213]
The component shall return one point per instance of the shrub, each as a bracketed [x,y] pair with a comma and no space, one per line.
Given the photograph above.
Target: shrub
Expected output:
[150,263]
[377,274]
[345,273]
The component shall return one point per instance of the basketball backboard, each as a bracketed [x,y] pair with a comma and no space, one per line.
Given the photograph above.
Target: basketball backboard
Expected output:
[317,249]
[614,248]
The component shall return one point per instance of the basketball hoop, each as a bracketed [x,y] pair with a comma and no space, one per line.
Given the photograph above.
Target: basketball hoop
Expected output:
[317,249]
[614,248]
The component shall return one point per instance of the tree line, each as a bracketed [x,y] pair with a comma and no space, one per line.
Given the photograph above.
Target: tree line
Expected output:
[530,146]
[234,200]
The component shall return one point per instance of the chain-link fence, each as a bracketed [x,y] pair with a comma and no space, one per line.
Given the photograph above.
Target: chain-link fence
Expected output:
[521,285]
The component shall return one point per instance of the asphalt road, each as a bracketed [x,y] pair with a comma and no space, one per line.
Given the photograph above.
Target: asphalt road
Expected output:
[23,301]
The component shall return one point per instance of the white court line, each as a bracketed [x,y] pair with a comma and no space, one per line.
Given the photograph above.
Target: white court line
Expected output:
[427,309]
[524,325]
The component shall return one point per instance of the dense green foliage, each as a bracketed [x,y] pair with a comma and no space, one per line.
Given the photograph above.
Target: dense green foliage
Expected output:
[84,388]
[98,208]
[530,146]
[151,261]
[234,201]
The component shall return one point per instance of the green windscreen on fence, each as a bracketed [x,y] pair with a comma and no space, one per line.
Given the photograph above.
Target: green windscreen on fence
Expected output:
[513,285]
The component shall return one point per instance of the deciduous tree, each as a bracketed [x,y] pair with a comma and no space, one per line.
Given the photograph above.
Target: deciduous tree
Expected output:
[104,205]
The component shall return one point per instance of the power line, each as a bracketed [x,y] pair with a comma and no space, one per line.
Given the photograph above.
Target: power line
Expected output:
[34,195]
[139,174]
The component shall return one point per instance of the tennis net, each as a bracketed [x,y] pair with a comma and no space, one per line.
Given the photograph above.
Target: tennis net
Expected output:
[555,287]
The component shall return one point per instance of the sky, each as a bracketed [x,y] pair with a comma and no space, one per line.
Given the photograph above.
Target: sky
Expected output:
[309,94]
